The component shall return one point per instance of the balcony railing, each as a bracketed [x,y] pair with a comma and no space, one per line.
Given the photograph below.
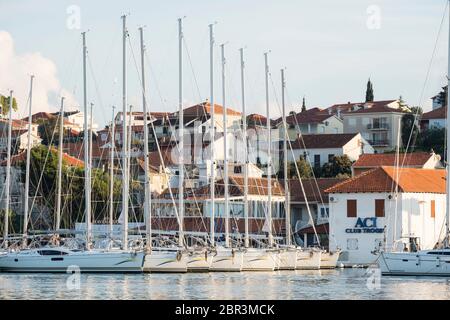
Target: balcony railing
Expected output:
[379,143]
[378,126]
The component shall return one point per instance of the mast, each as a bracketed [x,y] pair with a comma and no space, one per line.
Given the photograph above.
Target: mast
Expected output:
[447,207]
[287,209]
[225,153]
[111,177]
[87,171]
[181,134]
[90,140]
[27,170]
[8,173]
[147,195]
[244,129]
[269,155]
[212,134]
[124,139]
[60,156]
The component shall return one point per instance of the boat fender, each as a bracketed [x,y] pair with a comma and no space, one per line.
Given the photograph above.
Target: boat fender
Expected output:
[232,253]
[311,254]
[206,255]
[179,254]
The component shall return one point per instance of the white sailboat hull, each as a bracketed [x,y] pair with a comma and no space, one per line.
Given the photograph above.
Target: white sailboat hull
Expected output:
[259,260]
[287,259]
[199,261]
[227,260]
[420,263]
[72,261]
[329,259]
[308,259]
[166,261]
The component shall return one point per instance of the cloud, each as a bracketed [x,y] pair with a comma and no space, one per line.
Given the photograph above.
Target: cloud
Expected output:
[15,71]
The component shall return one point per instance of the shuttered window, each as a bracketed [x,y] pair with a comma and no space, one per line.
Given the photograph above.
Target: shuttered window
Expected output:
[379,207]
[433,208]
[351,208]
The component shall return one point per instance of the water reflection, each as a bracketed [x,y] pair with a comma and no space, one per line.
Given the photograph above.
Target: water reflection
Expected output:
[311,284]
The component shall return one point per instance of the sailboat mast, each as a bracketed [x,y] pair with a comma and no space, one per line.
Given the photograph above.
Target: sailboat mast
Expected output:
[124,139]
[447,207]
[8,173]
[181,134]
[212,134]
[27,172]
[244,129]
[147,195]
[287,210]
[111,176]
[225,152]
[87,171]
[269,153]
[60,155]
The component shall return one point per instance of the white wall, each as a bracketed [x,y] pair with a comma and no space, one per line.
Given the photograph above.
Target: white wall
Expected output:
[412,218]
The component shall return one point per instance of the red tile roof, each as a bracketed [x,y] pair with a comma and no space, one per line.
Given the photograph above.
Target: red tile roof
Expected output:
[205,108]
[314,115]
[21,157]
[439,113]
[416,159]
[347,107]
[314,189]
[320,141]
[384,179]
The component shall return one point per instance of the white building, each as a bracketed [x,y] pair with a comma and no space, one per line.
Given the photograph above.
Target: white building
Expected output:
[367,214]
[319,149]
[434,119]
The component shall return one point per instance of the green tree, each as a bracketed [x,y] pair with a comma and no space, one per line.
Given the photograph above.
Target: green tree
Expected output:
[4,104]
[433,139]
[369,92]
[339,166]
[304,169]
[43,182]
[409,124]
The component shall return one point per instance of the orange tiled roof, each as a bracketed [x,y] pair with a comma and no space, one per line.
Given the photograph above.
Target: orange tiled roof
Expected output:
[439,113]
[319,141]
[205,108]
[384,179]
[416,159]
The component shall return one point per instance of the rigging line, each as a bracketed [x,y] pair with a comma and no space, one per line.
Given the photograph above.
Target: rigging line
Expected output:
[157,144]
[295,164]
[416,115]
[192,69]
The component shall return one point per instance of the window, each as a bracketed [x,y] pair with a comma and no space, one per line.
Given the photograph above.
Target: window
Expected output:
[330,157]
[324,212]
[238,169]
[433,208]
[51,253]
[317,160]
[379,207]
[352,244]
[351,208]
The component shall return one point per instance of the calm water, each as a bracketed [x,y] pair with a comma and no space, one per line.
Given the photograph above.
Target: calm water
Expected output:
[329,284]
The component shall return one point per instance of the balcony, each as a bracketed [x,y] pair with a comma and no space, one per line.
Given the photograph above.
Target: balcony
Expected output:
[379,143]
[378,126]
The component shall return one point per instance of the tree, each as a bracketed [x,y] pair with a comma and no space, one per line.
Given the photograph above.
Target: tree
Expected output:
[433,139]
[303,105]
[304,169]
[369,91]
[410,124]
[43,180]
[4,104]
[339,166]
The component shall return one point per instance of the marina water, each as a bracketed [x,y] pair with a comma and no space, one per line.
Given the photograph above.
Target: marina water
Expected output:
[317,284]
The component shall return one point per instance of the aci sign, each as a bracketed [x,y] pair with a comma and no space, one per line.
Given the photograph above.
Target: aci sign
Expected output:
[365,225]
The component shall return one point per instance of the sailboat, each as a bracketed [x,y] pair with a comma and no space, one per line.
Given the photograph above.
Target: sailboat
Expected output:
[58,258]
[435,262]
[157,259]
[226,257]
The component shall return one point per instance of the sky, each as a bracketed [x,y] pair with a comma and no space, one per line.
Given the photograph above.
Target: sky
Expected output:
[329,49]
